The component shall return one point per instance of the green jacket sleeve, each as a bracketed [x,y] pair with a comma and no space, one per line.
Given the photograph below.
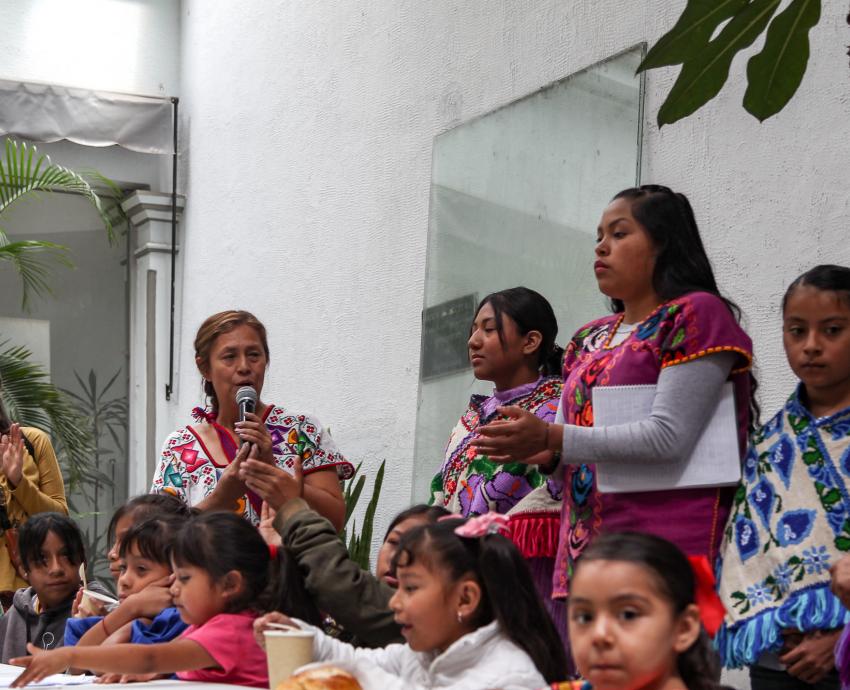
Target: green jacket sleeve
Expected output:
[355,598]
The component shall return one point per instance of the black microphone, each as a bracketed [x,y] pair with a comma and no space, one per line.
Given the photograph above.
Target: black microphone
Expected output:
[246,401]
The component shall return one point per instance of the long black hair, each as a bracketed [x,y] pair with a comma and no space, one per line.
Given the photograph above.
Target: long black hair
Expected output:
[152,538]
[699,665]
[219,542]
[508,592]
[681,263]
[530,311]
[827,277]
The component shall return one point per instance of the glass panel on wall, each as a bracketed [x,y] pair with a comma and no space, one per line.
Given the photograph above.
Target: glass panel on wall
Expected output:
[516,196]
[79,334]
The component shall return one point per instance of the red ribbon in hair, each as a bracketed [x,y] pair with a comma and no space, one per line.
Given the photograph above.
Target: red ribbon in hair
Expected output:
[711,610]
[273,551]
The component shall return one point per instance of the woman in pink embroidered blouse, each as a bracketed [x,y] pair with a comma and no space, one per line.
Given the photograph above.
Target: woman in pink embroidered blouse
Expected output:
[292,455]
[670,328]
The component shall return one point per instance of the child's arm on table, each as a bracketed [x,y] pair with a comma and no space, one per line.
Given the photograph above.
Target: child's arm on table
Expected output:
[168,657]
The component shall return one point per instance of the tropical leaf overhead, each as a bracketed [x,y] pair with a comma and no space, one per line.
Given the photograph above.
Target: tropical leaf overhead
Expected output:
[710,33]
[24,172]
[31,400]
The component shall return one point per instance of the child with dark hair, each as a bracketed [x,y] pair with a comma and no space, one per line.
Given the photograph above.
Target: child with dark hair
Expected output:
[51,552]
[790,519]
[469,611]
[511,343]
[355,598]
[145,614]
[634,618]
[222,570]
[135,510]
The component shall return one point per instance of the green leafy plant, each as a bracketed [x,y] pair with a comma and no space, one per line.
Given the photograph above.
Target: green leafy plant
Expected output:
[24,173]
[360,545]
[32,400]
[705,51]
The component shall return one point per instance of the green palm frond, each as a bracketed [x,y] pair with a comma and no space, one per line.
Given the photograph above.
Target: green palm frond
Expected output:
[24,172]
[31,260]
[32,400]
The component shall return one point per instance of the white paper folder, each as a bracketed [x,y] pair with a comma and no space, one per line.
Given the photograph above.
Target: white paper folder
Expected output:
[714,461]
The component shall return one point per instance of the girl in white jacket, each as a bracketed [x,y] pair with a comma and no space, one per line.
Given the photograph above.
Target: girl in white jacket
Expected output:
[469,611]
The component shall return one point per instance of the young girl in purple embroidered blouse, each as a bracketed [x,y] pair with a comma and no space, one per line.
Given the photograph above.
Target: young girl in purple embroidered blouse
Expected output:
[293,455]
[512,344]
[670,327]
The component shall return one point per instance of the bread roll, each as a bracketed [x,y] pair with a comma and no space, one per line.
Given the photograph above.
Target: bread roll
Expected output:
[322,678]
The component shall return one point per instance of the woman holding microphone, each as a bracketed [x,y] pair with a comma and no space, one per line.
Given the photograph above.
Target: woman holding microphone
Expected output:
[200,463]
[671,328]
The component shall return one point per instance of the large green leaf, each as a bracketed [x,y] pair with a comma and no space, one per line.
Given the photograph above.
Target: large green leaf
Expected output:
[704,75]
[32,400]
[691,33]
[774,74]
[23,172]
[31,260]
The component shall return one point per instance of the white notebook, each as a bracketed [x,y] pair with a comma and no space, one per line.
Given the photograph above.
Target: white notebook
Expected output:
[715,460]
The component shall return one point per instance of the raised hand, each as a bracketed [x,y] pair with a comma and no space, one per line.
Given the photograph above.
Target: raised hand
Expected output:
[519,438]
[266,527]
[12,455]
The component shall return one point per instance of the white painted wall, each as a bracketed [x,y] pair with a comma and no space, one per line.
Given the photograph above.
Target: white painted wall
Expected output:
[116,45]
[311,127]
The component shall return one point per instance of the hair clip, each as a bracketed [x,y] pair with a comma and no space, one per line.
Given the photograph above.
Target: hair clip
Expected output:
[482,525]
[711,610]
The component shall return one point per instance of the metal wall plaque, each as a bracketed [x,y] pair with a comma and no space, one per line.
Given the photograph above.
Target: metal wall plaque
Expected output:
[445,332]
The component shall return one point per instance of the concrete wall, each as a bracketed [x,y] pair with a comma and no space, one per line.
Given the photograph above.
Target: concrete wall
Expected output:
[311,130]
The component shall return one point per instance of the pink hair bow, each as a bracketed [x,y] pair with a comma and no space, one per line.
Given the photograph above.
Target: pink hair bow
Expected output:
[481,525]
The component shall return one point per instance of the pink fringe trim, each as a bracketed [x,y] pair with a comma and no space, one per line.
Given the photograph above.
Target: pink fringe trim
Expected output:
[536,534]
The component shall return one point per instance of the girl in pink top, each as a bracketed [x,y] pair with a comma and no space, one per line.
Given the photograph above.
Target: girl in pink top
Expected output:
[221,568]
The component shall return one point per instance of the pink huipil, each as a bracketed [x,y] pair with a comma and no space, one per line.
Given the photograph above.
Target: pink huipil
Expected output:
[679,331]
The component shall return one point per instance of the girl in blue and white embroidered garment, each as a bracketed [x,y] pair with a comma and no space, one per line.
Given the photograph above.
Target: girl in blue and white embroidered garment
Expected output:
[791,516]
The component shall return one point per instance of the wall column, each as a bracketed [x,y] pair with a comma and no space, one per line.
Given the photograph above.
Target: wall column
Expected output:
[149,215]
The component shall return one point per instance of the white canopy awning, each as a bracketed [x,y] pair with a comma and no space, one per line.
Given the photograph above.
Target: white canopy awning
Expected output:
[44,113]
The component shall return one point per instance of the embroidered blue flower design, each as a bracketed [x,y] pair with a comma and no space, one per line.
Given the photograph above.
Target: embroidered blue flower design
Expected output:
[781,456]
[794,526]
[762,498]
[746,537]
[648,328]
[839,428]
[582,483]
[751,465]
[783,575]
[815,560]
[758,594]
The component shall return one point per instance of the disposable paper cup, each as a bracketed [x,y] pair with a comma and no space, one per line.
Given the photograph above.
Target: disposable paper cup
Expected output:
[287,650]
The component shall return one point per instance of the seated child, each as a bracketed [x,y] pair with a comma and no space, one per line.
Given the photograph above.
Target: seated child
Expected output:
[633,617]
[51,552]
[469,610]
[144,614]
[135,510]
[221,568]
[355,598]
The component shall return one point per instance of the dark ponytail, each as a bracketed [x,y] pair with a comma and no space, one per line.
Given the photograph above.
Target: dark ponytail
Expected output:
[530,311]
[681,263]
[699,665]
[287,591]
[508,592]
